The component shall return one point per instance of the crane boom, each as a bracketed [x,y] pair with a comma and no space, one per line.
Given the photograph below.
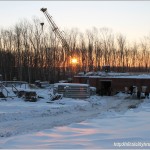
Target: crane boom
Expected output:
[68,69]
[55,29]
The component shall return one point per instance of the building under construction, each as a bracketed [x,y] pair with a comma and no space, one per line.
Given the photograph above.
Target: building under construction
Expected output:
[109,83]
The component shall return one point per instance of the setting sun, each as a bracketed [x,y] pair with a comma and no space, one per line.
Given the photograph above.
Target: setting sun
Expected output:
[74,61]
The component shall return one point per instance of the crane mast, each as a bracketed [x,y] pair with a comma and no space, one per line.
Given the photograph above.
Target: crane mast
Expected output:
[55,29]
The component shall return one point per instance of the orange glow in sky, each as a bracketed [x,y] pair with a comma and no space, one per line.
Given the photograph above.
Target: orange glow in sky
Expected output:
[74,61]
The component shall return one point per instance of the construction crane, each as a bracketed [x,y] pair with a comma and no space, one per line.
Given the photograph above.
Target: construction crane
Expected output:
[55,29]
[61,37]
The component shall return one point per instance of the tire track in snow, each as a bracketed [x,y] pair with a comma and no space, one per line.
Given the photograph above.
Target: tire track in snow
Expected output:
[64,117]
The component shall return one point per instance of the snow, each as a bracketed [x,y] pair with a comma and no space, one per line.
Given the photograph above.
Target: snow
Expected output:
[114,75]
[95,122]
[71,84]
[8,92]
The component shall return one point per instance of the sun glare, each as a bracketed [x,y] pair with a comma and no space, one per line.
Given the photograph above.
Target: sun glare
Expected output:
[74,61]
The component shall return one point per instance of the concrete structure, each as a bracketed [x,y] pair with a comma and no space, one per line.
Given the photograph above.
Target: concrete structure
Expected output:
[71,90]
[111,83]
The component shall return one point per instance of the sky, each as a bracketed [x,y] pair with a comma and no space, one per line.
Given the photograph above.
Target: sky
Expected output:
[130,18]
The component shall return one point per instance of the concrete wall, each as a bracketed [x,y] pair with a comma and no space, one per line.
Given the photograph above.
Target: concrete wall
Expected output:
[117,84]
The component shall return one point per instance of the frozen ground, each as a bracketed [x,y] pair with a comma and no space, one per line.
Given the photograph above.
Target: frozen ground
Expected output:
[96,122]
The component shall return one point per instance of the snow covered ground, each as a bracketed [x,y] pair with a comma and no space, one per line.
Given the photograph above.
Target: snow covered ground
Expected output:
[96,122]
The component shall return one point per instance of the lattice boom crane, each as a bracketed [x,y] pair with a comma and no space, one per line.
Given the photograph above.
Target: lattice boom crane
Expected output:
[55,29]
[68,59]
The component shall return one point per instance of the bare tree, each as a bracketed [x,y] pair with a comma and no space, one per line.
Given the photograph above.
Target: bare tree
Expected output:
[121,46]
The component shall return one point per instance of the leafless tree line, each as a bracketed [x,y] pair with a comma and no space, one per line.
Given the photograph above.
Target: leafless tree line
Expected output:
[29,52]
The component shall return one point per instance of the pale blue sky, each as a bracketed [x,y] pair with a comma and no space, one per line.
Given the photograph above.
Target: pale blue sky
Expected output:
[131,18]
